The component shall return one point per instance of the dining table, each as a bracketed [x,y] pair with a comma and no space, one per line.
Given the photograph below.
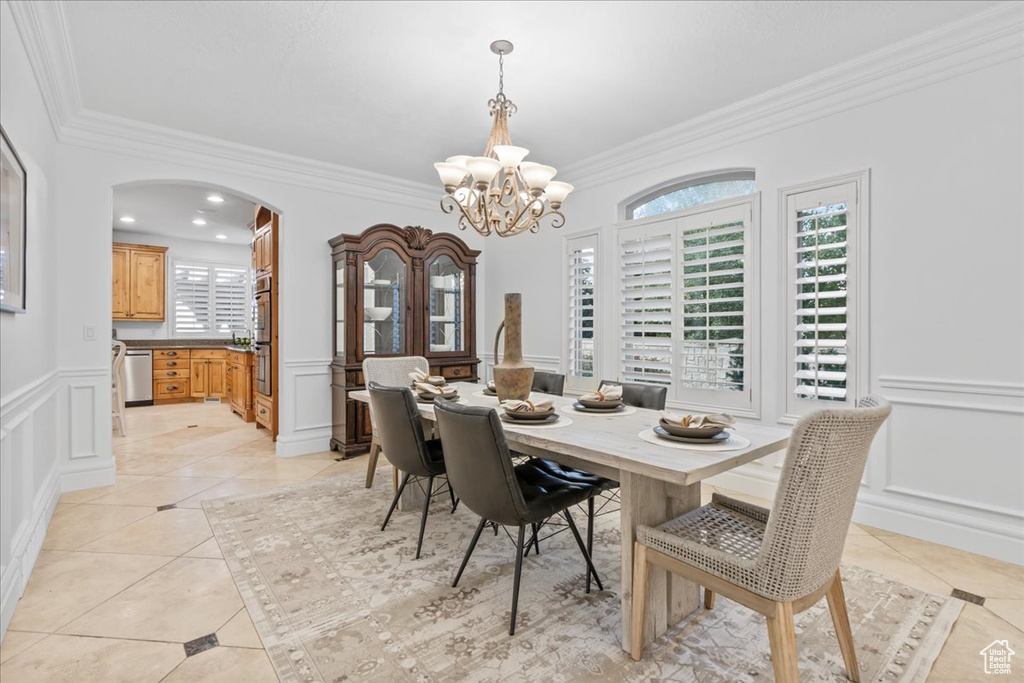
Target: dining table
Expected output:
[657,483]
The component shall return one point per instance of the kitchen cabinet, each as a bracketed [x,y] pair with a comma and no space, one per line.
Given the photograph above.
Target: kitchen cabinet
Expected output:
[139,282]
[239,384]
[398,292]
[208,373]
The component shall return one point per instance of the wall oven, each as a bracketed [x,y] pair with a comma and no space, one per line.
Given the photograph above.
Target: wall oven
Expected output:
[262,369]
[262,322]
[264,336]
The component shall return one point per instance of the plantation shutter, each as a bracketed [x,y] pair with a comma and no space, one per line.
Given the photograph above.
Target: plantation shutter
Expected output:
[713,289]
[211,298]
[819,223]
[645,256]
[232,304]
[191,298]
[582,303]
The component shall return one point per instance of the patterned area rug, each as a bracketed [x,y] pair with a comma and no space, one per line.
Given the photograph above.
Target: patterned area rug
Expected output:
[335,599]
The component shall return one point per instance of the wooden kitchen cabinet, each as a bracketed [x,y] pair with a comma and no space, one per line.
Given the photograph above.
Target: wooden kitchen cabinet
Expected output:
[239,384]
[139,282]
[208,373]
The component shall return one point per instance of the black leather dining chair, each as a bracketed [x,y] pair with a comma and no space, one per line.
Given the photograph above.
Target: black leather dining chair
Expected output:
[633,394]
[548,382]
[406,447]
[481,470]
[640,395]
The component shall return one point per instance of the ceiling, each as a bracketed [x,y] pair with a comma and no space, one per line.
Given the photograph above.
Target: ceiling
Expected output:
[392,87]
[168,209]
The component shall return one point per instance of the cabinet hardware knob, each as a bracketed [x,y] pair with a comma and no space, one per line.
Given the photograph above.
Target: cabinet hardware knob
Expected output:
[172,373]
[172,388]
[172,353]
[171,363]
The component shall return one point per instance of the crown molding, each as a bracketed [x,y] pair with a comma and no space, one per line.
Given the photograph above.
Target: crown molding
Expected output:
[108,133]
[44,32]
[975,42]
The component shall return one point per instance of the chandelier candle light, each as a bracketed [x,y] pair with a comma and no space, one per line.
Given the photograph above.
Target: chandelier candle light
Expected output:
[499,192]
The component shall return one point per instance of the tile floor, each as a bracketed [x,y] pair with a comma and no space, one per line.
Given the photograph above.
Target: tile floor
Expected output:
[123,591]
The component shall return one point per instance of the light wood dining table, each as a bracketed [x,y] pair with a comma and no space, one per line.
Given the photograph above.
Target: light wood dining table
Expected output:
[656,483]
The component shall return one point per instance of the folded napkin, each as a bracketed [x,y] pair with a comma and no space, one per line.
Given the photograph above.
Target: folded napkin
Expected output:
[527,406]
[425,388]
[420,376]
[607,392]
[491,386]
[713,420]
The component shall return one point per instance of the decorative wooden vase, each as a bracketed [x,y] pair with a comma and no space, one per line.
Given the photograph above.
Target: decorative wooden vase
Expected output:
[513,378]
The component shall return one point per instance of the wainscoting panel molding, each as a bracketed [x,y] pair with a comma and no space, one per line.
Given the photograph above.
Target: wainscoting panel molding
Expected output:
[307,391]
[942,487]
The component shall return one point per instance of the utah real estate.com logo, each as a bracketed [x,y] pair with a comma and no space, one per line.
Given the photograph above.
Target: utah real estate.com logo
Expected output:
[997,657]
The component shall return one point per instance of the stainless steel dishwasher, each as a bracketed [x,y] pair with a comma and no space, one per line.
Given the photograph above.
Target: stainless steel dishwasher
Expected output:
[138,375]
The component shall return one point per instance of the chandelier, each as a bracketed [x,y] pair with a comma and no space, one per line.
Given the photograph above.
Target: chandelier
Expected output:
[499,192]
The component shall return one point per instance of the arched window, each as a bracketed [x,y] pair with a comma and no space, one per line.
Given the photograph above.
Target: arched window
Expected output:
[691,191]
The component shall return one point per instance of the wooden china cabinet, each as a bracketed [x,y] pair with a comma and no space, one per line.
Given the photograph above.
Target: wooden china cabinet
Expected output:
[398,292]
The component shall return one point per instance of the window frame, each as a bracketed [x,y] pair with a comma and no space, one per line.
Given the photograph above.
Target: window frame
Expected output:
[651,193]
[211,266]
[576,385]
[703,399]
[858,236]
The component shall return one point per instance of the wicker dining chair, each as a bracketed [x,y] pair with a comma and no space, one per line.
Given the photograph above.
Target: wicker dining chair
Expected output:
[781,562]
[387,372]
[118,350]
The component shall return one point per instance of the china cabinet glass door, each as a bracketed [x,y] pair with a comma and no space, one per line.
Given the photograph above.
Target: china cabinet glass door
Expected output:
[446,297]
[339,309]
[384,293]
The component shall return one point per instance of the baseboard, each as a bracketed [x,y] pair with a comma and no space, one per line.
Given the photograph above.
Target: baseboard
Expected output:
[25,549]
[74,476]
[309,441]
[1002,541]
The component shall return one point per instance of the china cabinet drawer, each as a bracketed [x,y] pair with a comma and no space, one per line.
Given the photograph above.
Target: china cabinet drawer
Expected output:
[456,372]
[170,364]
[171,388]
[170,354]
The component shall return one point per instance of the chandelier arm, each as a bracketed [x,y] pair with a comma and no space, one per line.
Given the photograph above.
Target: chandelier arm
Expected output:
[449,204]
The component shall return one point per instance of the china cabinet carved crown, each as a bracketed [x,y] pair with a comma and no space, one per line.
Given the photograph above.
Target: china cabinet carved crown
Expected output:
[398,292]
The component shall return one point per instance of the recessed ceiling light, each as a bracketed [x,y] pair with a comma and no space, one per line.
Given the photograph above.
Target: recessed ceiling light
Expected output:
[127,219]
[215,198]
[221,237]
[198,221]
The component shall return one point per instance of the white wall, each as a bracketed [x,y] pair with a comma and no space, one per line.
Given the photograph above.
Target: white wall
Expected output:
[32,398]
[946,292]
[177,249]
[309,217]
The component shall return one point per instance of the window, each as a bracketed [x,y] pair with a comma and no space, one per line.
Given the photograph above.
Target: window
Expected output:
[826,253]
[581,268]
[687,305]
[211,299]
[691,191]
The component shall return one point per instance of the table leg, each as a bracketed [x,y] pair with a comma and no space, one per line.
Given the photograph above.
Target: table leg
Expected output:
[651,501]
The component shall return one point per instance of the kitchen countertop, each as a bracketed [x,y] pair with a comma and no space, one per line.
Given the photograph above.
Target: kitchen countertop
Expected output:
[155,344]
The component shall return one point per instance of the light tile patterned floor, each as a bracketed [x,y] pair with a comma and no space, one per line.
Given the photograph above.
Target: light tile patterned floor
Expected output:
[121,590]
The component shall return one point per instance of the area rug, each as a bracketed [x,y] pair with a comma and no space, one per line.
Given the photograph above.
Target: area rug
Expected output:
[335,599]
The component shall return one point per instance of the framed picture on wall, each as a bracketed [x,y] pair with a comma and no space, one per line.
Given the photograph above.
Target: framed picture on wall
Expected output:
[13,197]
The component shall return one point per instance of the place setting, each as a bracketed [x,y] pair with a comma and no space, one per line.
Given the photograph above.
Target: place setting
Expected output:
[489,390]
[695,432]
[606,401]
[428,387]
[534,414]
